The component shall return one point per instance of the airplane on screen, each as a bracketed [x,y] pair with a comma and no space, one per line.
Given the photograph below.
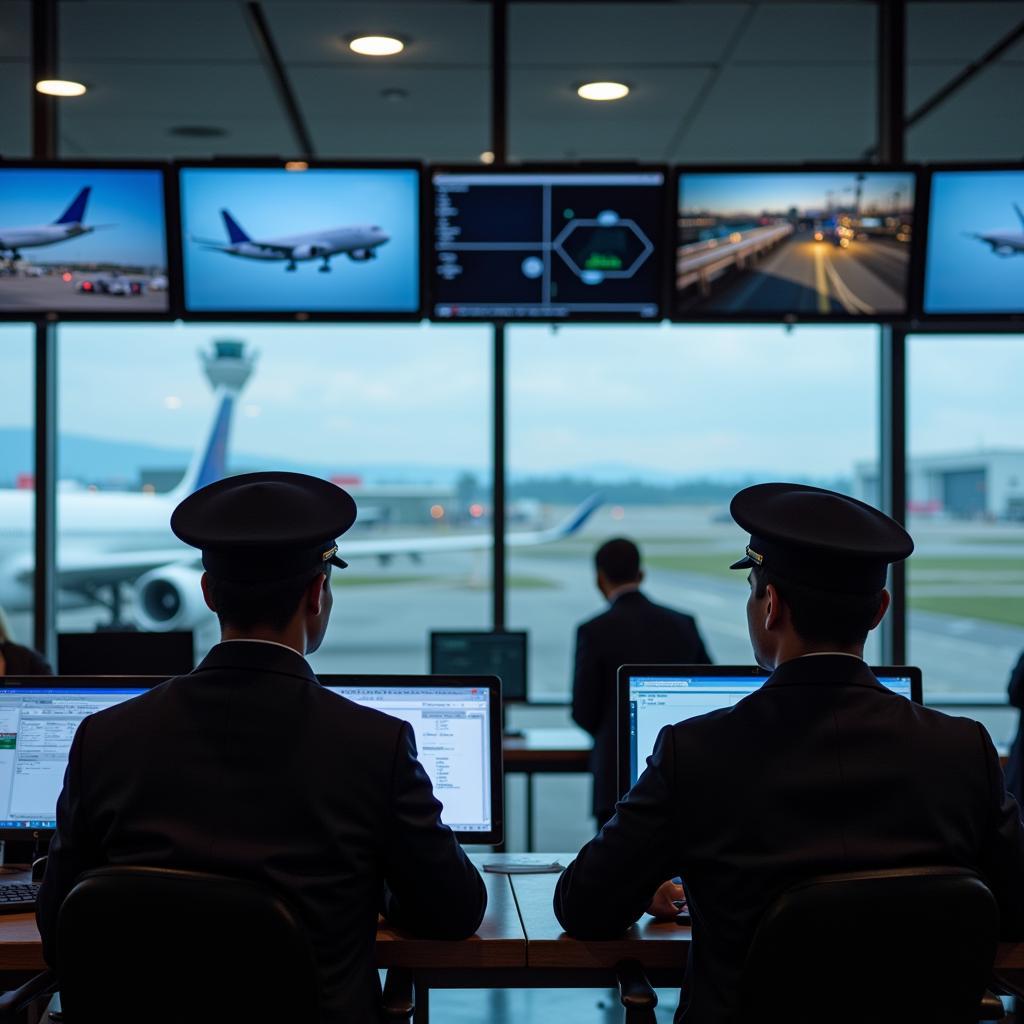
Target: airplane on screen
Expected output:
[1006,243]
[111,542]
[68,225]
[357,243]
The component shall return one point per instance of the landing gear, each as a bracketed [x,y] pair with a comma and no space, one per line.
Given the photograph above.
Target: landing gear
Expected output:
[292,265]
[111,597]
[325,267]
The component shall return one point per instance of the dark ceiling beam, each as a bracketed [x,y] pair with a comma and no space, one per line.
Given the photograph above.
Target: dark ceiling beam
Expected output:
[279,77]
[892,77]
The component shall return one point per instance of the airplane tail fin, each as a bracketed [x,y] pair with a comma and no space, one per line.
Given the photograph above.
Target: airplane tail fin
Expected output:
[566,528]
[1020,214]
[235,233]
[75,213]
[209,464]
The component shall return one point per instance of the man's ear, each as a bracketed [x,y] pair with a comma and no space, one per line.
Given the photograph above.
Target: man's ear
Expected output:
[883,607]
[773,610]
[315,594]
[204,582]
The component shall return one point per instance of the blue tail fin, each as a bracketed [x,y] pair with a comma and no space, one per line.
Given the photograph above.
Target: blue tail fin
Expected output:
[75,213]
[213,464]
[235,233]
[1020,214]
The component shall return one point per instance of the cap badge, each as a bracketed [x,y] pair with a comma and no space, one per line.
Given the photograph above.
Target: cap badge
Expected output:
[329,554]
[755,556]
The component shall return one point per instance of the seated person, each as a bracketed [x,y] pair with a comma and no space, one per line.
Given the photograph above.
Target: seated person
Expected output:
[1015,762]
[16,659]
[821,770]
[248,767]
[633,630]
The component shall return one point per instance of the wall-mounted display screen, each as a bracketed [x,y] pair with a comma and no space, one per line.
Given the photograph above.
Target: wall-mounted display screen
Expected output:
[82,241]
[338,241]
[974,262]
[548,245]
[822,244]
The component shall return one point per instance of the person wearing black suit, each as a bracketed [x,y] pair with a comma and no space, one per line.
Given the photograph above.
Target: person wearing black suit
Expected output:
[248,767]
[633,630]
[821,770]
[1015,762]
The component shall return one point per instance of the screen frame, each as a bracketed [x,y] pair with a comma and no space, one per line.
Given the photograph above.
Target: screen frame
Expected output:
[495,835]
[921,315]
[182,638]
[66,682]
[914,272]
[625,672]
[521,634]
[172,245]
[284,316]
[553,167]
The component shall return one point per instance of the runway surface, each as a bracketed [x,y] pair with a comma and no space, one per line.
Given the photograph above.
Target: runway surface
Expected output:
[52,293]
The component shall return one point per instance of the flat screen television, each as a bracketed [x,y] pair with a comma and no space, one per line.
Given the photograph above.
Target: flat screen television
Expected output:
[83,241]
[330,241]
[793,243]
[554,243]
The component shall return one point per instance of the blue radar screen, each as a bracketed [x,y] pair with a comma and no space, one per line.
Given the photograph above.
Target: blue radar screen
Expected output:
[548,245]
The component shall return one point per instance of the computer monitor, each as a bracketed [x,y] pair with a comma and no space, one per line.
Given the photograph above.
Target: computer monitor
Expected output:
[330,241]
[653,696]
[457,724]
[975,243]
[482,653]
[128,653]
[548,243]
[38,719]
[83,240]
[816,244]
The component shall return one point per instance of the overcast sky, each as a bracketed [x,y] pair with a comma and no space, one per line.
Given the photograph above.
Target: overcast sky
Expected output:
[671,400]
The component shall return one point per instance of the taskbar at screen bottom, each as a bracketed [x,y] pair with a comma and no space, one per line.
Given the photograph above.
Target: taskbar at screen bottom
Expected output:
[494,311]
[29,824]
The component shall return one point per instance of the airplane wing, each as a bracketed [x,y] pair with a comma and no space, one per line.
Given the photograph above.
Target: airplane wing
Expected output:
[83,570]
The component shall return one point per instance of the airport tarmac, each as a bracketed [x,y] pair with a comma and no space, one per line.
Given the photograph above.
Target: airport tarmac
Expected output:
[51,292]
[805,276]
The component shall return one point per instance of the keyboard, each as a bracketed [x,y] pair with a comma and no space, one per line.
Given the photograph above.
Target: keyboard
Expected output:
[18,897]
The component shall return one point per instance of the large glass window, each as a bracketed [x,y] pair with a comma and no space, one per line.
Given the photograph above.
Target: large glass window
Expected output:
[965,489]
[665,424]
[397,414]
[17,499]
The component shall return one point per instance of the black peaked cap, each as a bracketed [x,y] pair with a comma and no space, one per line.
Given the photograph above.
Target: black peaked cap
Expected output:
[260,527]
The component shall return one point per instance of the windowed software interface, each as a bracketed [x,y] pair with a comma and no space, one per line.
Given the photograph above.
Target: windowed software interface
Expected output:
[453,739]
[36,730]
[657,701]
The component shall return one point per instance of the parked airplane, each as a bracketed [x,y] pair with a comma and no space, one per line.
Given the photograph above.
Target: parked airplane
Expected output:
[1006,243]
[358,243]
[112,541]
[67,225]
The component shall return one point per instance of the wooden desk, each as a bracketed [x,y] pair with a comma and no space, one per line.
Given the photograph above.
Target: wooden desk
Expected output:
[545,751]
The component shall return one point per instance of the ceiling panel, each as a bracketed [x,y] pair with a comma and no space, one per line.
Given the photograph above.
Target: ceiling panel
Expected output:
[958,31]
[15,125]
[788,32]
[15,19]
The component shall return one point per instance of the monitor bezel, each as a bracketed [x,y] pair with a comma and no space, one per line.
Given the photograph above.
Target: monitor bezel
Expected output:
[66,682]
[520,634]
[495,836]
[552,167]
[284,316]
[625,672]
[922,316]
[171,246]
[768,317]
[115,636]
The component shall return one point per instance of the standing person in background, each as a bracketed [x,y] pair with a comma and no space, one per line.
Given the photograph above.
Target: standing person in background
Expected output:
[633,630]
[17,660]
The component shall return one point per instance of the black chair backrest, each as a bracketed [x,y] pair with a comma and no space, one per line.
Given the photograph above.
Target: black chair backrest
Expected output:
[155,946]
[914,944]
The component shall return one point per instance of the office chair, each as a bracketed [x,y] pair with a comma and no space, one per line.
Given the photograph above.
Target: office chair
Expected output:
[913,944]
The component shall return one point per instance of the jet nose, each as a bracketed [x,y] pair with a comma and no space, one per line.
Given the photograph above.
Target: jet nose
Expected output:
[383,237]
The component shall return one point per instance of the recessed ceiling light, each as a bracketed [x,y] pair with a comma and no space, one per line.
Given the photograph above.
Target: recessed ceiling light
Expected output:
[197,131]
[58,87]
[376,46]
[296,165]
[487,157]
[603,90]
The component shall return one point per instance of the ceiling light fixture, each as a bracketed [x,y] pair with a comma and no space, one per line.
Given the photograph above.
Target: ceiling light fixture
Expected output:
[603,91]
[296,165]
[376,46]
[59,87]
[487,157]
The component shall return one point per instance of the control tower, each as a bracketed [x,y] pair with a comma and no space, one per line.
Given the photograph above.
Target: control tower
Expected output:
[227,365]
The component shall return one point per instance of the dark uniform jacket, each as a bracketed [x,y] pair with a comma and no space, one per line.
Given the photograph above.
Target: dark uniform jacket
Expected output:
[23,661]
[635,631]
[1015,762]
[822,770]
[249,767]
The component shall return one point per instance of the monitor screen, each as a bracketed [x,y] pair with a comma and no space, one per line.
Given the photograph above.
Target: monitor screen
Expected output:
[38,719]
[974,258]
[812,244]
[129,653]
[652,696]
[482,654]
[548,245]
[458,739]
[83,241]
[327,240]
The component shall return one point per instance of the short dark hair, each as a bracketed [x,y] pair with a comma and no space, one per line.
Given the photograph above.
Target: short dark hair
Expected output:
[619,560]
[822,616]
[245,605]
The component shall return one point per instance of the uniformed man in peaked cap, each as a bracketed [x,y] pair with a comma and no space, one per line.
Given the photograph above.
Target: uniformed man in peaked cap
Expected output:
[822,770]
[253,769]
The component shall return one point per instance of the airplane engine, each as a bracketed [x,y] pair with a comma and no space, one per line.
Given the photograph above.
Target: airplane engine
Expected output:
[308,252]
[362,255]
[169,598]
